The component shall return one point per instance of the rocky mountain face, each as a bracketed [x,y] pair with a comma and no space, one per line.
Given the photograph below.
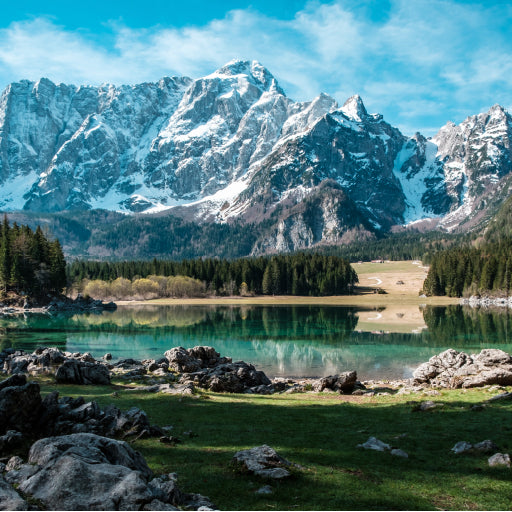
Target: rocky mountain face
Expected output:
[232,148]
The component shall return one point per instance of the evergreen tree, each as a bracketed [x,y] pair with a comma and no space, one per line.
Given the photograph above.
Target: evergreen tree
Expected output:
[57,265]
[5,255]
[267,285]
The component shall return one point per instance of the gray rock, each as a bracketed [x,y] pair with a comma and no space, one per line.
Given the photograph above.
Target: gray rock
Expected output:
[159,505]
[48,356]
[203,367]
[486,446]
[20,473]
[375,444]
[9,498]
[19,407]
[462,447]
[499,459]
[10,440]
[193,359]
[343,382]
[87,472]
[14,463]
[263,461]
[165,488]
[427,405]
[399,453]
[194,501]
[13,381]
[266,489]
[104,450]
[82,372]
[452,369]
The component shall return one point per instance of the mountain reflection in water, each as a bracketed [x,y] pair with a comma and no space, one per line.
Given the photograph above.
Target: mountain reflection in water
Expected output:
[307,341]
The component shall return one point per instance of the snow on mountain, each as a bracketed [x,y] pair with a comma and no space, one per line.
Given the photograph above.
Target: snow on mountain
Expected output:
[232,146]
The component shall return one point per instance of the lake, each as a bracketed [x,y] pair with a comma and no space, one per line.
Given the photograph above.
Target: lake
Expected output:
[286,341]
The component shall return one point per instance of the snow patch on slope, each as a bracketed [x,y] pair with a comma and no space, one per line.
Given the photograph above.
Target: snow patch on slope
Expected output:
[14,189]
[414,184]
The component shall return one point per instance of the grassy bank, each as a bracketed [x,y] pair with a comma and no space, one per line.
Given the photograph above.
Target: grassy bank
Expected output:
[366,299]
[320,432]
[401,282]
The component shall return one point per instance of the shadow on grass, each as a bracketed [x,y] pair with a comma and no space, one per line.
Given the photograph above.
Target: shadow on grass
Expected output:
[321,434]
[323,438]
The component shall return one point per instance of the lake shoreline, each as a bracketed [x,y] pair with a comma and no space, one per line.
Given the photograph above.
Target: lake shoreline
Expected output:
[369,299]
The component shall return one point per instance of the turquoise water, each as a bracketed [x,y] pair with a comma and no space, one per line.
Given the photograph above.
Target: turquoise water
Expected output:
[292,341]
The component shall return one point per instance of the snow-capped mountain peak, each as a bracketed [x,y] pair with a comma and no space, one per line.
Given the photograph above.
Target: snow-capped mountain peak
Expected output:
[231,145]
[354,109]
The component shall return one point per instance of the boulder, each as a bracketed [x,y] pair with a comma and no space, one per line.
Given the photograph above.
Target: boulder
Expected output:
[462,447]
[48,356]
[499,459]
[486,446]
[181,361]
[14,463]
[11,439]
[87,472]
[343,383]
[19,406]
[14,380]
[90,472]
[375,444]
[452,369]
[191,360]
[82,372]
[9,498]
[263,461]
[236,377]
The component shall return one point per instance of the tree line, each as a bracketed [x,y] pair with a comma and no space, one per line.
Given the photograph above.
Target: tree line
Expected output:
[408,245]
[30,263]
[465,271]
[291,274]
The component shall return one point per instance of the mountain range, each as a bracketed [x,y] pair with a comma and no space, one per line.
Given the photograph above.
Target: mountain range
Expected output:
[231,149]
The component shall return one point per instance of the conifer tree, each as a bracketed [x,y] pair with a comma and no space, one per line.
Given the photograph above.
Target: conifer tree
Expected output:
[5,254]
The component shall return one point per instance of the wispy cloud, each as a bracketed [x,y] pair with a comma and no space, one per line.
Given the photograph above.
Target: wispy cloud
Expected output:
[446,57]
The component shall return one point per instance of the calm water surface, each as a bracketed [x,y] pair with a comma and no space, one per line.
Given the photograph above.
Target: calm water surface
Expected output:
[295,341]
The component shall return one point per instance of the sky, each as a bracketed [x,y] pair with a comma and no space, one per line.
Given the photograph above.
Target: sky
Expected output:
[419,63]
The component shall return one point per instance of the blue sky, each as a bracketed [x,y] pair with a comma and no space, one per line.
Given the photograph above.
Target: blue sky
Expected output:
[420,63]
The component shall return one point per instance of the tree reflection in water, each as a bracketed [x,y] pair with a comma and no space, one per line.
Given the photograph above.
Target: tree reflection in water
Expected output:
[281,340]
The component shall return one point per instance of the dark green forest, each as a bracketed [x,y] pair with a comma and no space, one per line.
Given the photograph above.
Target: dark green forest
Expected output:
[111,236]
[30,263]
[466,270]
[293,274]
[407,245]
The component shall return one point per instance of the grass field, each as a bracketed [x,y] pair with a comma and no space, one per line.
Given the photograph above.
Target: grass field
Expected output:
[320,432]
[372,276]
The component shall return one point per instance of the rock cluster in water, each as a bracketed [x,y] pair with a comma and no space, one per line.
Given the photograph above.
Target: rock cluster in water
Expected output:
[180,371]
[53,304]
[486,302]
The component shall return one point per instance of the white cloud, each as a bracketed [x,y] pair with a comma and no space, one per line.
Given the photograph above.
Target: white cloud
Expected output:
[425,53]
